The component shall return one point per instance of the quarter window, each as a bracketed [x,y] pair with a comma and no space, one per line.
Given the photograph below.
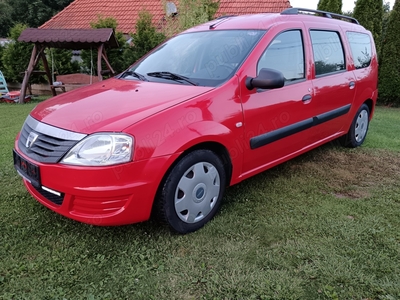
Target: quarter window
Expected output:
[328,52]
[285,54]
[360,44]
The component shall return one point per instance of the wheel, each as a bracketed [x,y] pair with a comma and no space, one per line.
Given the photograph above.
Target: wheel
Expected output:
[358,129]
[191,194]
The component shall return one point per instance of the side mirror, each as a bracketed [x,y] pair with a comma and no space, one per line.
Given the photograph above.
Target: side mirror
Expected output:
[266,79]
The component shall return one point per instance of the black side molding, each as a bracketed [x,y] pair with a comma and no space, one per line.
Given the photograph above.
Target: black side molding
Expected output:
[273,136]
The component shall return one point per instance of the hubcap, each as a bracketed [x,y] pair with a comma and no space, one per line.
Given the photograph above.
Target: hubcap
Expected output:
[197,192]
[361,126]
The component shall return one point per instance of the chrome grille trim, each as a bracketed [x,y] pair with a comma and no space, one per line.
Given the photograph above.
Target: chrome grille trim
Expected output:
[53,131]
[51,143]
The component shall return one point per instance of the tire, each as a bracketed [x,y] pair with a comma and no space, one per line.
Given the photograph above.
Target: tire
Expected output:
[358,129]
[192,192]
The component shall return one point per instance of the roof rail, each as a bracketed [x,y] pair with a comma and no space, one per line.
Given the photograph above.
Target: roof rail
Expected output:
[325,14]
[225,16]
[220,20]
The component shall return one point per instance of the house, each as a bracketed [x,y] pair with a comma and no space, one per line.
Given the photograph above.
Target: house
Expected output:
[80,13]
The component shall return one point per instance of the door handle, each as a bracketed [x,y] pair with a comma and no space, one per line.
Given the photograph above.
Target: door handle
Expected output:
[352,85]
[306,98]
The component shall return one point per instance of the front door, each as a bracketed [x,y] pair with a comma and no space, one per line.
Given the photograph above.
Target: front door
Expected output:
[278,121]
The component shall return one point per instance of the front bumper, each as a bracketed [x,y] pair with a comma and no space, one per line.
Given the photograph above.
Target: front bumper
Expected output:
[105,196]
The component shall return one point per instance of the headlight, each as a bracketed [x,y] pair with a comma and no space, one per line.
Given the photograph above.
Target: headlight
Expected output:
[101,150]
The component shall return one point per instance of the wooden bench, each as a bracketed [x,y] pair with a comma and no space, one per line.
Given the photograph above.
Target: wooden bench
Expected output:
[70,82]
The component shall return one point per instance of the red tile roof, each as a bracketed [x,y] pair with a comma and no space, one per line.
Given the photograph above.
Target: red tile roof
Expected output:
[80,13]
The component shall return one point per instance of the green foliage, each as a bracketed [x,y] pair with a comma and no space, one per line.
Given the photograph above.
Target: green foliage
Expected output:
[104,23]
[389,72]
[32,13]
[191,13]
[115,56]
[334,6]
[1,57]
[370,14]
[5,18]
[385,20]
[194,12]
[60,61]
[16,55]
[144,39]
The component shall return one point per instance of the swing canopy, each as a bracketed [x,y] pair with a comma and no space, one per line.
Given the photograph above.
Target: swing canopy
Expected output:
[74,39]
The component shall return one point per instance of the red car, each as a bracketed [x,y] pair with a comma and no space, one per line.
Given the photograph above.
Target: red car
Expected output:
[207,109]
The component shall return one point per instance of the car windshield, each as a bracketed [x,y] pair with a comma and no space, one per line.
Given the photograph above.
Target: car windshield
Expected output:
[206,58]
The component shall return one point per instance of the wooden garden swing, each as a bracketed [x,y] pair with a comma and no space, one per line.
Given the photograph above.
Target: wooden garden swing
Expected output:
[74,39]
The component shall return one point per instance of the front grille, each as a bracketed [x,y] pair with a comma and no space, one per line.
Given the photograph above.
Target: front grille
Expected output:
[57,200]
[49,145]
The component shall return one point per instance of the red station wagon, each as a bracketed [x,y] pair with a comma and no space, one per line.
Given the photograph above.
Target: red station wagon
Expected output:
[208,108]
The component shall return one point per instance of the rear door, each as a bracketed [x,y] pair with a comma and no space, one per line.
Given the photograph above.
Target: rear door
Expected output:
[334,84]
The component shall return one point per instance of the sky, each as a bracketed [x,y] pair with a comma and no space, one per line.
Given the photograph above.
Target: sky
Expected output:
[348,5]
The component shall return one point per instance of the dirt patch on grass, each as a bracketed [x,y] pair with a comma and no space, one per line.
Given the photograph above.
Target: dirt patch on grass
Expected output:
[352,173]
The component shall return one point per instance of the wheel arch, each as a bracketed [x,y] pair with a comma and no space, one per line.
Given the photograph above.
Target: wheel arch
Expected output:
[219,149]
[371,107]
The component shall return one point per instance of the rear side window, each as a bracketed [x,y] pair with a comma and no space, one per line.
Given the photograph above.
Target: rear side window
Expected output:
[285,53]
[328,52]
[361,48]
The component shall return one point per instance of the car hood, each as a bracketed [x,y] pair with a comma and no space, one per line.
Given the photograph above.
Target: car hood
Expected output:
[112,105]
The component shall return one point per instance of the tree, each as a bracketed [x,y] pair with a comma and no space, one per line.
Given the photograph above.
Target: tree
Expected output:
[385,20]
[389,71]
[16,55]
[144,39]
[32,13]
[370,14]
[5,18]
[334,6]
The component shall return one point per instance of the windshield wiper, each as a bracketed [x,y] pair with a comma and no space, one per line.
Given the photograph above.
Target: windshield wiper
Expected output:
[171,76]
[135,74]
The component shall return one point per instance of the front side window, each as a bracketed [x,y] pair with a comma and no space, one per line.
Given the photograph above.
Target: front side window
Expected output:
[206,58]
[361,48]
[328,52]
[285,54]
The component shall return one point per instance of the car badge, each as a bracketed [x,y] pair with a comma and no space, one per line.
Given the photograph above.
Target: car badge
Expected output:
[32,137]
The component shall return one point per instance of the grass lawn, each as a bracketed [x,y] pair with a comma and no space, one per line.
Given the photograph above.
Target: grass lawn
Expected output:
[325,225]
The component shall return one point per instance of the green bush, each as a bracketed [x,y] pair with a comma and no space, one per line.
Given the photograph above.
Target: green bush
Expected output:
[115,56]
[191,13]
[1,55]
[16,55]
[389,71]
[60,61]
